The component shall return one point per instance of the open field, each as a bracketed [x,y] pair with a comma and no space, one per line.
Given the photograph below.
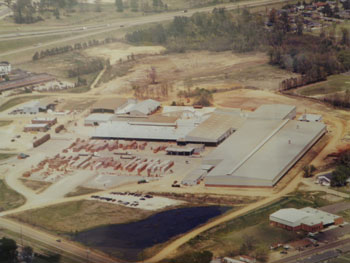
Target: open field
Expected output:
[81,191]
[77,104]
[334,84]
[9,199]
[190,70]
[5,123]
[37,186]
[18,100]
[227,238]
[4,156]
[77,216]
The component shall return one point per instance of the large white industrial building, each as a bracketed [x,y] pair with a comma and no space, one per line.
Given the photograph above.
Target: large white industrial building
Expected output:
[261,152]
[253,149]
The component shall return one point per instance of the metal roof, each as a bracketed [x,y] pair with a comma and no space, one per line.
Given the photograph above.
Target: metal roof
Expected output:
[310,117]
[289,216]
[273,145]
[36,125]
[125,130]
[98,117]
[145,107]
[272,111]
[215,128]
[109,103]
[326,218]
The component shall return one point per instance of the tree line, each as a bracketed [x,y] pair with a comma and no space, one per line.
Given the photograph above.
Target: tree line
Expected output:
[68,48]
[144,6]
[28,11]
[217,31]
[83,68]
[342,171]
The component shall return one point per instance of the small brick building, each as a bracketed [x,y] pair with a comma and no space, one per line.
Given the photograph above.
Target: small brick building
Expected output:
[307,219]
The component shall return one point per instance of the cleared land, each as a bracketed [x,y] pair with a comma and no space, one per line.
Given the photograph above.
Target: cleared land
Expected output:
[5,123]
[81,191]
[36,185]
[76,216]
[4,156]
[334,84]
[9,199]
[190,70]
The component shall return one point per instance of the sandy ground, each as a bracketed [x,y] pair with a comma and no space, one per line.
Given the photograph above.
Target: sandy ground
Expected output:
[154,203]
[116,51]
[227,70]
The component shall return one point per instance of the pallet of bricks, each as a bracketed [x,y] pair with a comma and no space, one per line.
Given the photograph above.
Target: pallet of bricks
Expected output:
[42,140]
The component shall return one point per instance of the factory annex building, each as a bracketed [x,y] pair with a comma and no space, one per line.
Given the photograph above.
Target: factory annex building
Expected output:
[307,219]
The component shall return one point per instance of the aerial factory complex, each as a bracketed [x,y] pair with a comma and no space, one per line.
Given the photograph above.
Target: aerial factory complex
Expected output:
[244,141]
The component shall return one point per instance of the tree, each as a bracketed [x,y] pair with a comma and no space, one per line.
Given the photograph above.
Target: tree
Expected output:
[309,170]
[327,10]
[194,257]
[134,4]
[56,13]
[8,3]
[153,75]
[27,254]
[36,56]
[8,249]
[345,37]
[98,6]
[272,15]
[300,24]
[340,175]
[119,5]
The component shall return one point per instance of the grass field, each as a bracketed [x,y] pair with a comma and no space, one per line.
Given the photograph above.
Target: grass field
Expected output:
[4,156]
[5,123]
[335,83]
[68,218]
[9,199]
[36,185]
[81,191]
[18,100]
[227,238]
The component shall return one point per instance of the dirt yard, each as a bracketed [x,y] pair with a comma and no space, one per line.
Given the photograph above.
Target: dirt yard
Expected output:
[203,69]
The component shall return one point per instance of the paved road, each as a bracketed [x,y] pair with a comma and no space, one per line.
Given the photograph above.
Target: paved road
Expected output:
[314,251]
[128,22]
[67,247]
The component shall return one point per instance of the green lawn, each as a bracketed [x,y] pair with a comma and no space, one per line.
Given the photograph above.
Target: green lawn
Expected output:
[335,83]
[9,199]
[18,100]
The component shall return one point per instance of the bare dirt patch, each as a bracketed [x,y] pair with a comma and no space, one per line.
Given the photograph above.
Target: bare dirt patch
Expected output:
[116,51]
[203,69]
[37,186]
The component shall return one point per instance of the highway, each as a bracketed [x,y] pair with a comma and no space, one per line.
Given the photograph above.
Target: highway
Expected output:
[87,30]
[129,22]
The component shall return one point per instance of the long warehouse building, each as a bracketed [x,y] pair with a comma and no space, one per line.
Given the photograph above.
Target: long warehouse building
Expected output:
[261,152]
